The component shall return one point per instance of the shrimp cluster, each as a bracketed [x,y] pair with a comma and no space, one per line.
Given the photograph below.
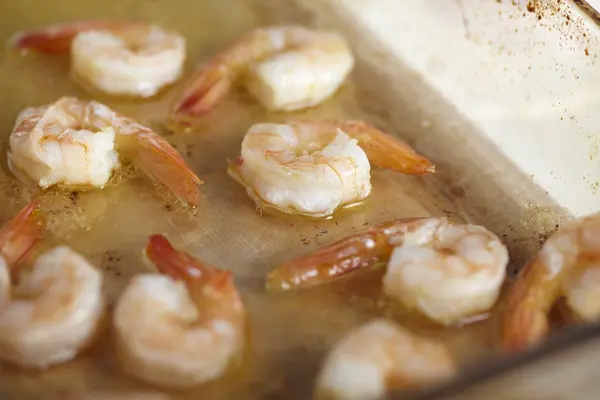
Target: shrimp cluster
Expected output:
[286,67]
[185,324]
[121,58]
[313,168]
[73,142]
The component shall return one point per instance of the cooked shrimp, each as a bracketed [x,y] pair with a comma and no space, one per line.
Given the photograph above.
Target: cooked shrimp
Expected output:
[73,142]
[447,271]
[381,356]
[342,257]
[183,328]
[55,308]
[285,67]
[313,168]
[117,57]
[566,265]
[444,270]
[55,312]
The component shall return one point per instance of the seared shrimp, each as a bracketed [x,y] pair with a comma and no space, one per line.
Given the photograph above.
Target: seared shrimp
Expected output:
[117,57]
[567,265]
[179,329]
[56,307]
[285,67]
[313,168]
[444,270]
[74,142]
[381,356]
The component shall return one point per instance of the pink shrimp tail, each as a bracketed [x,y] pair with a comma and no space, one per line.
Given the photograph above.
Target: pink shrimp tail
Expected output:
[157,158]
[20,234]
[168,260]
[203,92]
[387,151]
[181,265]
[525,327]
[58,38]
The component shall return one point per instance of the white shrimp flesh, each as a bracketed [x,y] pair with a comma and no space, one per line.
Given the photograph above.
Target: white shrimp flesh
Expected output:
[381,356]
[120,58]
[447,271]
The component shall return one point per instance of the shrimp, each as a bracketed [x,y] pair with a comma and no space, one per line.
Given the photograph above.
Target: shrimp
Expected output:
[55,312]
[313,168]
[182,328]
[380,356]
[73,142]
[444,270]
[55,309]
[567,265]
[285,67]
[121,58]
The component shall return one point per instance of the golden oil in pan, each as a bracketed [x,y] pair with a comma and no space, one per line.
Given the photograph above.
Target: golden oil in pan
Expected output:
[289,333]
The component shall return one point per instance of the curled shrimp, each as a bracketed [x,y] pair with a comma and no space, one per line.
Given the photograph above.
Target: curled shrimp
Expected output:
[54,312]
[444,270]
[56,307]
[180,328]
[286,67]
[380,356]
[313,168]
[73,142]
[117,57]
[567,265]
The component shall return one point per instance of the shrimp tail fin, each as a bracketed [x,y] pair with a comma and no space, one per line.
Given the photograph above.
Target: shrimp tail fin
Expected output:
[20,234]
[312,269]
[46,41]
[333,261]
[58,38]
[386,151]
[166,259]
[356,252]
[203,92]
[159,160]
[524,320]
[526,328]
[212,289]
[181,265]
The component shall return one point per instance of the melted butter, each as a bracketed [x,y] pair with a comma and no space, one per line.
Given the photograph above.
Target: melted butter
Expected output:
[289,333]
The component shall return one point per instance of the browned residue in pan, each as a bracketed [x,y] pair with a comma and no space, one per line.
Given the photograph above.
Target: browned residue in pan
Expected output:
[571,24]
